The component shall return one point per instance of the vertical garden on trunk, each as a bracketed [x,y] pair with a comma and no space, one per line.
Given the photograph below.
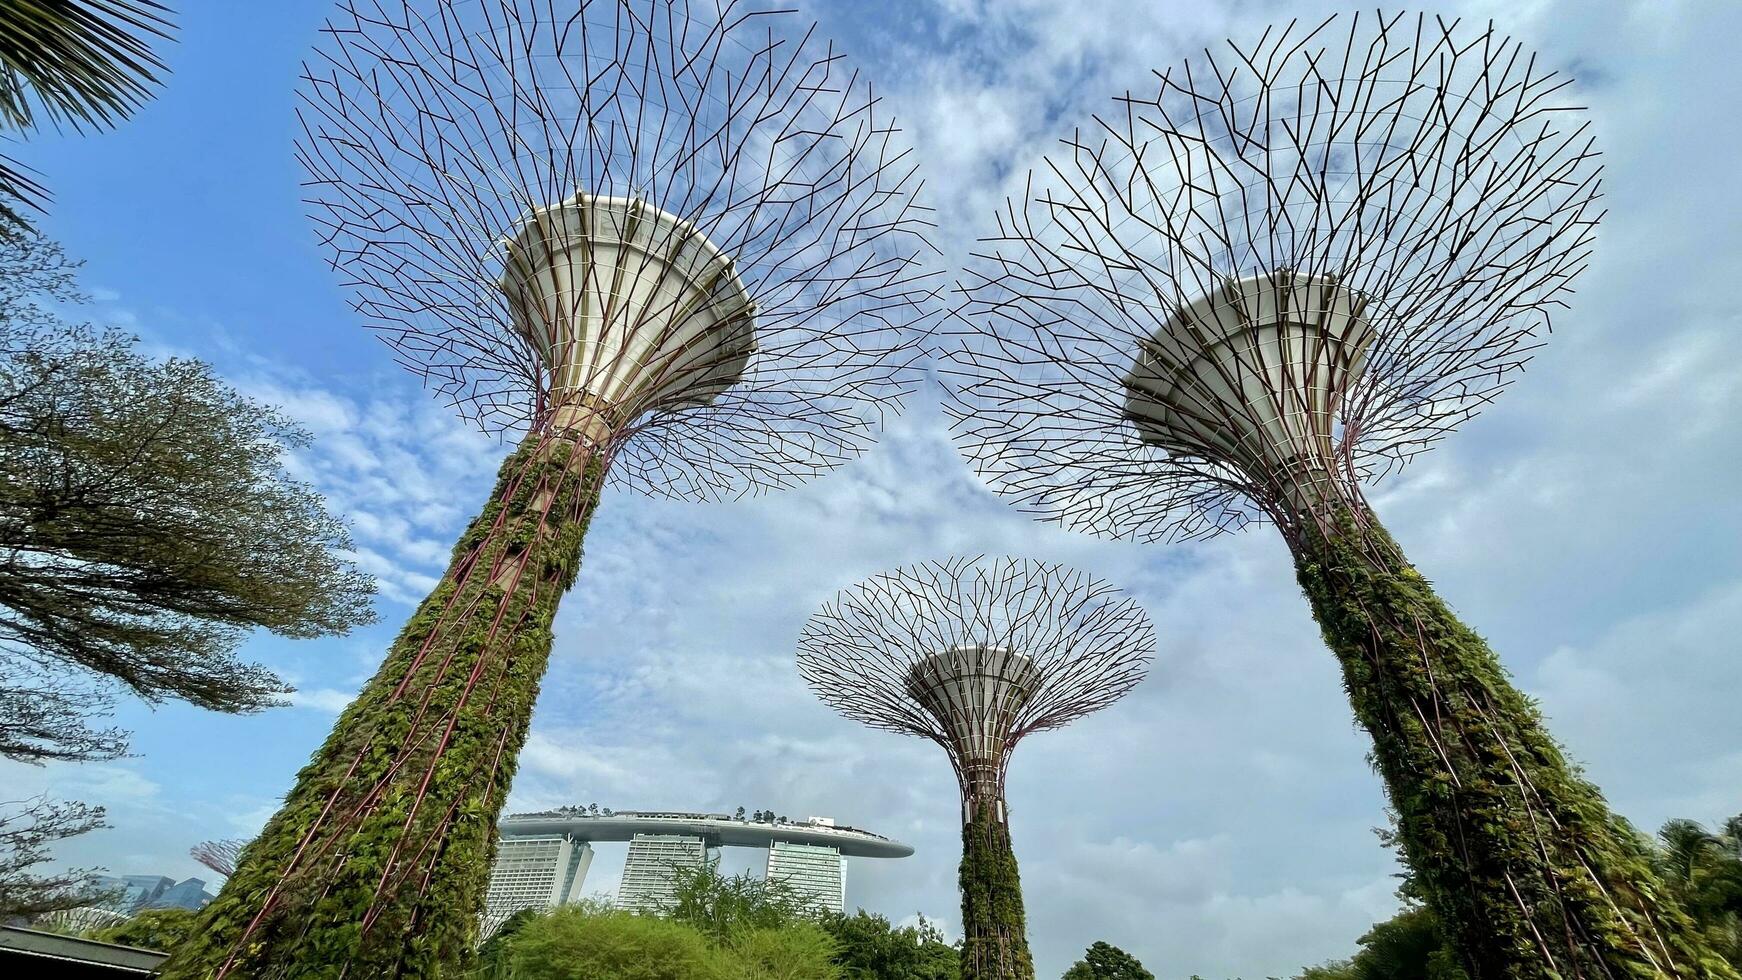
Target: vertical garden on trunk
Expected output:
[1519,856]
[994,927]
[417,767]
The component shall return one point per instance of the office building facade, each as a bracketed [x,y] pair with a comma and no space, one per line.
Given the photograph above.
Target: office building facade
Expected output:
[817,874]
[648,884]
[535,872]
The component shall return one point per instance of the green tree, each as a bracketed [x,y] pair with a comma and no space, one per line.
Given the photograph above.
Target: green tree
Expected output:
[146,526]
[870,947]
[27,829]
[794,951]
[72,64]
[1703,869]
[158,929]
[493,959]
[723,906]
[1104,961]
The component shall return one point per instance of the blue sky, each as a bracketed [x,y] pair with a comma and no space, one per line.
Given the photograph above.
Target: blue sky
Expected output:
[1219,821]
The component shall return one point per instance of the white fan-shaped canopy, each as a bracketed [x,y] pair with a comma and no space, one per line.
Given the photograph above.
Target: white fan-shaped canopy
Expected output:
[631,309]
[975,692]
[1253,373]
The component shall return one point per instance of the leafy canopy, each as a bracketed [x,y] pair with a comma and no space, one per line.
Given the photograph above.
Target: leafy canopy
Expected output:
[146,526]
[1104,961]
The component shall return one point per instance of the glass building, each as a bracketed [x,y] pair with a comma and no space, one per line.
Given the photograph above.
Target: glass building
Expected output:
[535,872]
[647,884]
[818,874]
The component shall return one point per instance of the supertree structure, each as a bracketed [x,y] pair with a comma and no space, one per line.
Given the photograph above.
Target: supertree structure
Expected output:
[1243,295]
[219,855]
[974,654]
[675,247]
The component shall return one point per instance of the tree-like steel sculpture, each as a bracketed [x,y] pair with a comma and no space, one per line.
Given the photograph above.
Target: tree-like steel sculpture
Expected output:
[676,248]
[219,855]
[975,654]
[1287,270]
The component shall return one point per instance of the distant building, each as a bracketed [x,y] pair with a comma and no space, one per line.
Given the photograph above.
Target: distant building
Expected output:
[136,893]
[818,874]
[535,872]
[542,859]
[648,885]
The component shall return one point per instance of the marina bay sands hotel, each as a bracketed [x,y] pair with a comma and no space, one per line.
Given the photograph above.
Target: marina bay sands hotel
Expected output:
[542,858]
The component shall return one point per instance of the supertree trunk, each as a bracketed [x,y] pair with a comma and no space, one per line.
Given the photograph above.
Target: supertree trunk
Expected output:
[1531,873]
[377,863]
[994,927]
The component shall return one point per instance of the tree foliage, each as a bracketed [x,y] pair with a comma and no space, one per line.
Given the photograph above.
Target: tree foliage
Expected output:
[73,64]
[160,929]
[1104,961]
[870,947]
[146,526]
[27,830]
[1519,856]
[725,906]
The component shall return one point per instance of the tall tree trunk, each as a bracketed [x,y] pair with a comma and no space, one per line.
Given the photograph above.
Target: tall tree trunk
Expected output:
[994,928]
[376,865]
[1531,873]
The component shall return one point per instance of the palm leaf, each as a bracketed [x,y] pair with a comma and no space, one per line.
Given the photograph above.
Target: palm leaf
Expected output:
[73,64]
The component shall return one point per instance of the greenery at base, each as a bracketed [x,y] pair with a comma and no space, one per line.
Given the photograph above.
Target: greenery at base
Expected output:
[1409,946]
[431,831]
[1518,856]
[994,927]
[161,929]
[592,941]
[739,927]
[870,947]
[1104,961]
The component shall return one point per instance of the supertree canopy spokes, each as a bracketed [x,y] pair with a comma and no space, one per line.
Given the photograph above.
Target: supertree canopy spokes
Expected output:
[690,232]
[975,654]
[678,248]
[1288,269]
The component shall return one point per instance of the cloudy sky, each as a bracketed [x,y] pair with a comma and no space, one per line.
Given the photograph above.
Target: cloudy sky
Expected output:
[1220,820]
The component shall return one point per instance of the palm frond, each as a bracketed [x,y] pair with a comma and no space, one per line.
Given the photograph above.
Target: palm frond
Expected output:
[74,64]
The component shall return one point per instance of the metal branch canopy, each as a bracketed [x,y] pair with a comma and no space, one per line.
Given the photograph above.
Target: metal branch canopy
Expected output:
[690,233]
[974,654]
[679,248]
[1286,270]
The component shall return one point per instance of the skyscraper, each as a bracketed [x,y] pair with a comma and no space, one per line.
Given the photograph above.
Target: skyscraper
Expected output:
[818,874]
[535,872]
[647,884]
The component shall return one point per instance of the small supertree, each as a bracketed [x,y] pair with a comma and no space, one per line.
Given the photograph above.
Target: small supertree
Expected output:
[219,855]
[1247,293]
[675,248]
[974,654]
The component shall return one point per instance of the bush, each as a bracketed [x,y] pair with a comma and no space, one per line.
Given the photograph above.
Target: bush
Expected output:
[797,951]
[579,942]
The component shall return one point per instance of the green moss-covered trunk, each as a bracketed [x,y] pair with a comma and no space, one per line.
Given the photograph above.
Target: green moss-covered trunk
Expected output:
[1532,874]
[994,928]
[403,797]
